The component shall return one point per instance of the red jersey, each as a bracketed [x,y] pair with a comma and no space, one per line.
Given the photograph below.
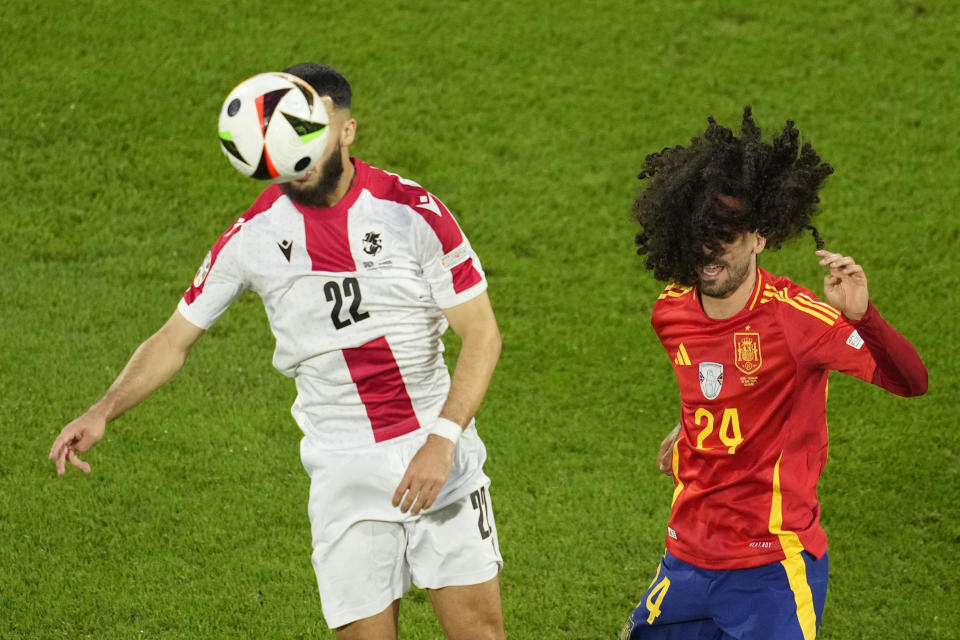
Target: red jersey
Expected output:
[753,390]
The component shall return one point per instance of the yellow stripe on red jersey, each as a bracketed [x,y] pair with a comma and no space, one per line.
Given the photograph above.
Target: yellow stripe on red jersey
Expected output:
[674,290]
[801,302]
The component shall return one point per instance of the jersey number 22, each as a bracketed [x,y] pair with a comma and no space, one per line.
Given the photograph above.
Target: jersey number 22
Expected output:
[333,293]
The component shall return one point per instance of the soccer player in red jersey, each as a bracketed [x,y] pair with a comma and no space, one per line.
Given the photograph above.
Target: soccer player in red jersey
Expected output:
[746,557]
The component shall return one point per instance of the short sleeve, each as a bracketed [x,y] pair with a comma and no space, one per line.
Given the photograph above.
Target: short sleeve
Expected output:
[219,281]
[449,263]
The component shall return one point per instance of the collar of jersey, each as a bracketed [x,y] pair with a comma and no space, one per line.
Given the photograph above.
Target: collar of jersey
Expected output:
[359,182]
[751,304]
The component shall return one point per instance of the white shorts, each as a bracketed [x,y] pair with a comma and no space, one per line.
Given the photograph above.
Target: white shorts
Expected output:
[366,552]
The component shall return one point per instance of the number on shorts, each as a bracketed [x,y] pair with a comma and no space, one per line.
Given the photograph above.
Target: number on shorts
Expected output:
[655,599]
[479,501]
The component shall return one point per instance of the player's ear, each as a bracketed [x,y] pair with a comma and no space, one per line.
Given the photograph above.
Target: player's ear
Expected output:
[760,243]
[348,133]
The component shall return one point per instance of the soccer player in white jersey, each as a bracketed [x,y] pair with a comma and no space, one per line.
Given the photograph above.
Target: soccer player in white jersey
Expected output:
[360,272]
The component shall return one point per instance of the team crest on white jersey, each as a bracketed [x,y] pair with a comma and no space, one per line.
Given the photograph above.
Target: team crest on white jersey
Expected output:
[711,379]
[371,243]
[203,270]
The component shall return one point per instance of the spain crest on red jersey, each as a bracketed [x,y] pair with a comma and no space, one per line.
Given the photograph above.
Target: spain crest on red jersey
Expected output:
[748,357]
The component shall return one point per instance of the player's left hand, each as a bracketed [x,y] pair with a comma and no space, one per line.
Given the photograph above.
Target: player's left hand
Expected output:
[425,475]
[846,284]
[665,455]
[77,437]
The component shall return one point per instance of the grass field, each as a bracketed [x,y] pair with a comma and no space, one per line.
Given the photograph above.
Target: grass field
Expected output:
[530,119]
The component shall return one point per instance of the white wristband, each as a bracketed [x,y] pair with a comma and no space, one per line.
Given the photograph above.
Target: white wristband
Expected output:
[447,429]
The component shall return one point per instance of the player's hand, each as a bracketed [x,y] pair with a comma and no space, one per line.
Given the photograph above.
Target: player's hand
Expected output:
[78,436]
[846,284]
[425,475]
[665,456]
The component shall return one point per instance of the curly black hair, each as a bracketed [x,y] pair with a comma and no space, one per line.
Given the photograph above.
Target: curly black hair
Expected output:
[720,186]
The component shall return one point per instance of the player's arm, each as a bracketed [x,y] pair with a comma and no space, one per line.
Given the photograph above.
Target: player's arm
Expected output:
[665,455]
[899,367]
[474,322]
[151,365]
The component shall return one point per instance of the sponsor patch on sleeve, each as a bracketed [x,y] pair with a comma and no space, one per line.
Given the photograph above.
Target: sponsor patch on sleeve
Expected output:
[455,257]
[203,271]
[855,340]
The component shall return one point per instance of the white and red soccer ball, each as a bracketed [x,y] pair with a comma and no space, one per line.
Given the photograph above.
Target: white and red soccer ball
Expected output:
[273,127]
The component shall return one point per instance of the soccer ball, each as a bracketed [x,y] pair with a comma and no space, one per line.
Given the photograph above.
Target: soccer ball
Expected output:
[273,127]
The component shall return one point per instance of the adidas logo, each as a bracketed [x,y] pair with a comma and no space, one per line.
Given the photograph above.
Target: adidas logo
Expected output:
[681,359]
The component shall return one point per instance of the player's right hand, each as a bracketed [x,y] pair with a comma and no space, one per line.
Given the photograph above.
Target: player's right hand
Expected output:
[78,436]
[425,475]
[665,456]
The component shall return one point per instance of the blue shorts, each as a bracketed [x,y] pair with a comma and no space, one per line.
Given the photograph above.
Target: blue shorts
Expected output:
[777,601]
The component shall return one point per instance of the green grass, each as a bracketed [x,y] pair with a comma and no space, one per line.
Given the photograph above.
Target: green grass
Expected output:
[530,120]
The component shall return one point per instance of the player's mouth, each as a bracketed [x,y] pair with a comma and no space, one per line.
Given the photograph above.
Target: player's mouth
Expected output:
[711,271]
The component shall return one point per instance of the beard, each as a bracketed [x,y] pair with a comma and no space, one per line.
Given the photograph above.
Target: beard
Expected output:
[318,195]
[736,275]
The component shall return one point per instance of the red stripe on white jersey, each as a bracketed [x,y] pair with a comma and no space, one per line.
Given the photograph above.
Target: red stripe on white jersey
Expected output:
[465,275]
[328,242]
[326,230]
[263,202]
[382,389]
[387,186]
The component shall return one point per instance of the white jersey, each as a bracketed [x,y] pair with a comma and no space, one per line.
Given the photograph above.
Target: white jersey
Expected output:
[354,295]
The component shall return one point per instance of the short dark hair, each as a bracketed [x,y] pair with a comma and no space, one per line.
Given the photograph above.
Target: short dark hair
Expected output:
[719,186]
[325,80]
